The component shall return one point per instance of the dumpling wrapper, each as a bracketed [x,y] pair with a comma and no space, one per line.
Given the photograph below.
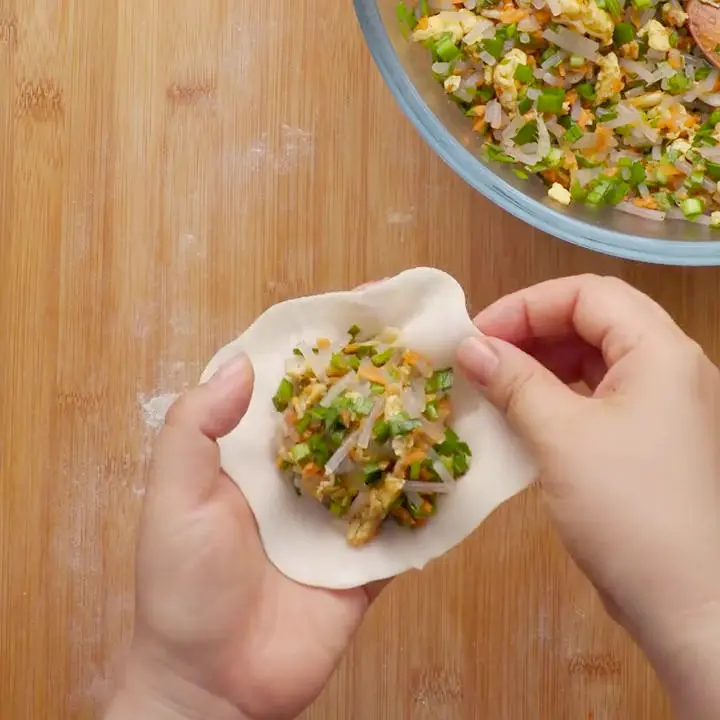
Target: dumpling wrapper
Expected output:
[301,538]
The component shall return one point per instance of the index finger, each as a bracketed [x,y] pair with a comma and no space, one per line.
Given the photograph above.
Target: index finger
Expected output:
[605,312]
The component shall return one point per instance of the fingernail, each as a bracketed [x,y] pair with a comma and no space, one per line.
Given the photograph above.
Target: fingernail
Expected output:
[232,368]
[479,359]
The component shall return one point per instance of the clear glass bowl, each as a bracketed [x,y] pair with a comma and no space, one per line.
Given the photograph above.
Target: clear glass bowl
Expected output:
[406,69]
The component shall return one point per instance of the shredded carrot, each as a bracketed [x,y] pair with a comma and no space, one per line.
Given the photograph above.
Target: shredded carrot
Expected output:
[603,136]
[423,23]
[542,16]
[373,374]
[414,457]
[584,118]
[512,15]
[675,59]
[413,358]
[323,343]
[569,160]
[444,409]
[404,516]
[290,417]
[669,170]
[310,470]
[648,202]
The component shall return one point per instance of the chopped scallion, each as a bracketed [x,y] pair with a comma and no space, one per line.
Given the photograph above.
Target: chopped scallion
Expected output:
[283,396]
[524,73]
[624,33]
[381,358]
[692,207]
[406,17]
[441,380]
[300,452]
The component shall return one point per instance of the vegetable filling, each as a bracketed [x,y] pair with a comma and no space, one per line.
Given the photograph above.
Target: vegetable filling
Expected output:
[366,431]
[608,102]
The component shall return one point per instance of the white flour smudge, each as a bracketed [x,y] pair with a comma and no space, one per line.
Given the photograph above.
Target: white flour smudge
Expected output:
[257,153]
[192,245]
[296,147]
[401,217]
[154,408]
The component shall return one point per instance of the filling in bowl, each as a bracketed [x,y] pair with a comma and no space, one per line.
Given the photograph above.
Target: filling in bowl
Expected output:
[609,102]
[365,431]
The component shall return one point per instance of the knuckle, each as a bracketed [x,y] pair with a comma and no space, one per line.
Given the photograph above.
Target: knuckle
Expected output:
[590,280]
[516,395]
[683,359]
[615,283]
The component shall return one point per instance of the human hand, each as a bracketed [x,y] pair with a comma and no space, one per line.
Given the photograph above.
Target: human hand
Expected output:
[219,632]
[631,474]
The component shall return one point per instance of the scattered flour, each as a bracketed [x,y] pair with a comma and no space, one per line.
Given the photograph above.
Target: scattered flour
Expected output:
[401,217]
[154,408]
[296,146]
[190,244]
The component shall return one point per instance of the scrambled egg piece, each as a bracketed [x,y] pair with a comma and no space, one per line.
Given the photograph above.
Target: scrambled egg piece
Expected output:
[393,406]
[402,445]
[309,396]
[715,219]
[673,122]
[506,88]
[630,50]
[681,146]
[365,525]
[674,15]
[558,193]
[457,22]
[452,83]
[609,80]
[586,17]
[648,100]
[658,35]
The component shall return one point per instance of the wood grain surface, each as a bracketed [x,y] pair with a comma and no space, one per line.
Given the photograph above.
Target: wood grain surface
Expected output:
[167,171]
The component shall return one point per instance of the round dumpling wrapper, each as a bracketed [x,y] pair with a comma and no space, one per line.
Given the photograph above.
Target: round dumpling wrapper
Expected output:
[301,538]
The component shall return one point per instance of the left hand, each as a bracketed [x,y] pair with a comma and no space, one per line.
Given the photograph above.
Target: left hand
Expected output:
[220,632]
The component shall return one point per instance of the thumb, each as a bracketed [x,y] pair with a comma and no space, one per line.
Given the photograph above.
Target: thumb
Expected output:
[526,392]
[186,460]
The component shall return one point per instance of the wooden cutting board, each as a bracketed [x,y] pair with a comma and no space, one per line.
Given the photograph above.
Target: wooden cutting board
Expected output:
[167,171]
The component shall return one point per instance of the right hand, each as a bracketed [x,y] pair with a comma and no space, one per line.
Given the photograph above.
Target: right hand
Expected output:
[631,475]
